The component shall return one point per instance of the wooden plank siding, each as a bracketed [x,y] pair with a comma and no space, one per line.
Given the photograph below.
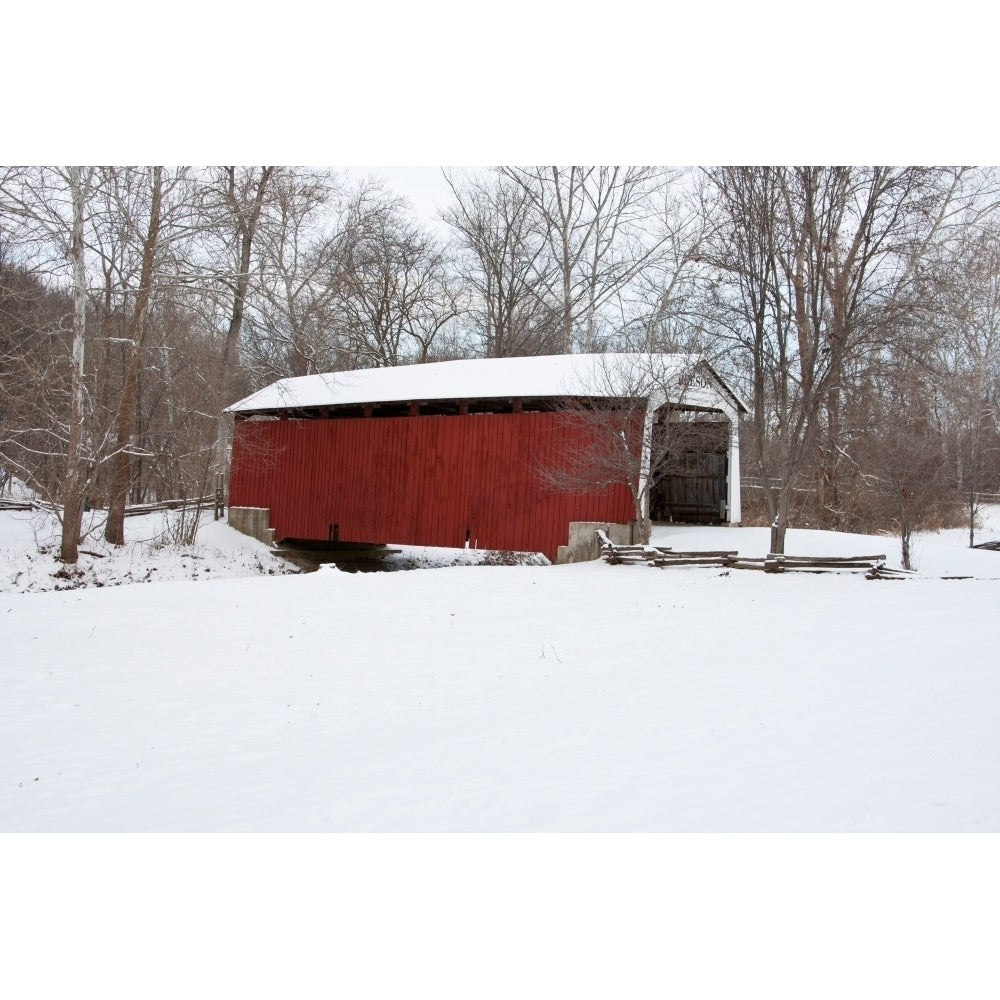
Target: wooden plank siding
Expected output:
[417,480]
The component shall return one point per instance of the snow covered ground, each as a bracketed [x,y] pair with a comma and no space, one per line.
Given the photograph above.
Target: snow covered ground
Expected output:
[225,695]
[29,543]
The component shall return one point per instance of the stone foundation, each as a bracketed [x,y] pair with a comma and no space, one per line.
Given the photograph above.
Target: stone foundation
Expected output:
[252,521]
[583,544]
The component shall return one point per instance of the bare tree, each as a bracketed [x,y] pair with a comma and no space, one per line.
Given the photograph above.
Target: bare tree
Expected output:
[751,248]
[595,223]
[506,266]
[672,310]
[235,199]
[903,457]
[243,192]
[290,325]
[114,530]
[396,293]
[78,181]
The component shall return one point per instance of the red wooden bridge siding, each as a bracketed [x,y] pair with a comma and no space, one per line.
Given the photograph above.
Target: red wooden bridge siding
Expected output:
[417,480]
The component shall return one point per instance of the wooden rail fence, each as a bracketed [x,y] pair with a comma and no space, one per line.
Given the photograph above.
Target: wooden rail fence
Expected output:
[663,557]
[205,502]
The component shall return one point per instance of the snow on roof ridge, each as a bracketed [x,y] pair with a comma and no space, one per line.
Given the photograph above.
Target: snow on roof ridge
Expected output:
[477,378]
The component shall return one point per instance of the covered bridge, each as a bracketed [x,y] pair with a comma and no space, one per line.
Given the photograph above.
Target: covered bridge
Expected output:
[474,453]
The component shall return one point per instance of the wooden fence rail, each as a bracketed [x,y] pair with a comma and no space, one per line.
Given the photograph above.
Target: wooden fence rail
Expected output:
[205,502]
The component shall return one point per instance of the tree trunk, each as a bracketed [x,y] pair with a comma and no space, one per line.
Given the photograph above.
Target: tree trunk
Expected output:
[904,537]
[780,524]
[72,491]
[247,230]
[114,531]
[905,531]
[777,536]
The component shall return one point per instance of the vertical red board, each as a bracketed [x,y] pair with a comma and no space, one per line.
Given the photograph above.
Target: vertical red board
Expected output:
[423,480]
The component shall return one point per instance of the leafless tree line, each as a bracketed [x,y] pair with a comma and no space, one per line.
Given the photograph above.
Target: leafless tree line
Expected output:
[862,312]
[855,308]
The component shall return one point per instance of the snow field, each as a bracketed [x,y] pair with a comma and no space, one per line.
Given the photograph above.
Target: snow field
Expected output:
[575,698]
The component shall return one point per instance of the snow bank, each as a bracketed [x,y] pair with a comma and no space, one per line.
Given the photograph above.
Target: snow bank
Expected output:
[29,546]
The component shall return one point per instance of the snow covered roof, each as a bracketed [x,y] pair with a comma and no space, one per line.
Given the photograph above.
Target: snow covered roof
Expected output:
[594,375]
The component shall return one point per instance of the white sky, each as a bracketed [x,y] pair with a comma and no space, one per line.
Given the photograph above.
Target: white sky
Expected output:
[425,187]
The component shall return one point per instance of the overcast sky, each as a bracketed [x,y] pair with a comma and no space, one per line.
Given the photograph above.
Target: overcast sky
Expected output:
[424,186]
